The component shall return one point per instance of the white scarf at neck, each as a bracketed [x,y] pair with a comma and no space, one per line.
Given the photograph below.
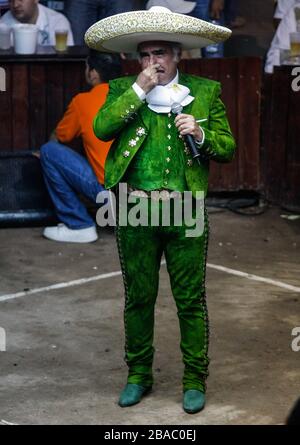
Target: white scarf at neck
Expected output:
[161,98]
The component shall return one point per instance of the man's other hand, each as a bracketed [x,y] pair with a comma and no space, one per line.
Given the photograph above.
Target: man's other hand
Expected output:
[148,79]
[186,124]
[216,9]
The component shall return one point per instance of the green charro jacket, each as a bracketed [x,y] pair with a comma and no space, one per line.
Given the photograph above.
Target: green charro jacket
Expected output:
[126,119]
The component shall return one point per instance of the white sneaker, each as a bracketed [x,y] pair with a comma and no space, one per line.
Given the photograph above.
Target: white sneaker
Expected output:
[65,235]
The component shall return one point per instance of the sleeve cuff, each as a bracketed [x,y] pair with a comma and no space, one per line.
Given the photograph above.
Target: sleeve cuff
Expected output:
[201,142]
[139,91]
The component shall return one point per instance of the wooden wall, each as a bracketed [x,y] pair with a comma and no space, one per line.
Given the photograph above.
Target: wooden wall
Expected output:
[38,92]
[280,138]
[241,86]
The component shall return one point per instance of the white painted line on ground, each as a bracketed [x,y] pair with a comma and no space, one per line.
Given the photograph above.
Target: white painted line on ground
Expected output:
[3,422]
[250,276]
[118,273]
[59,286]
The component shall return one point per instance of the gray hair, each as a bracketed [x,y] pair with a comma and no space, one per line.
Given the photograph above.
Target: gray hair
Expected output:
[177,50]
[175,46]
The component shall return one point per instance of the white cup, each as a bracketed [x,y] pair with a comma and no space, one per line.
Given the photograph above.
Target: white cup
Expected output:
[5,36]
[25,38]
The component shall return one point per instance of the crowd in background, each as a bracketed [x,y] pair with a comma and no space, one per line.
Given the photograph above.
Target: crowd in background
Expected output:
[89,11]
[78,15]
[287,23]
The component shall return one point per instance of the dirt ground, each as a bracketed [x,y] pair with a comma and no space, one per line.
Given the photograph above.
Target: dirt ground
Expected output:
[64,347]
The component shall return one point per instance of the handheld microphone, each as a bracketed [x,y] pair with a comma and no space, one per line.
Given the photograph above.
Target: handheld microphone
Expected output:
[176,108]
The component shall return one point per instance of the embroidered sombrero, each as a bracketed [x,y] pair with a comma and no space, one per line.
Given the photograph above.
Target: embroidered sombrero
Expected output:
[123,32]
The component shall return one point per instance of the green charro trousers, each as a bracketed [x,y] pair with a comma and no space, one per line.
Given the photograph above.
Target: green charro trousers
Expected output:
[140,251]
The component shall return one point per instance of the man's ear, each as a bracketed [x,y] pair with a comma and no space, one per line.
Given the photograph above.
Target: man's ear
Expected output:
[94,74]
[178,57]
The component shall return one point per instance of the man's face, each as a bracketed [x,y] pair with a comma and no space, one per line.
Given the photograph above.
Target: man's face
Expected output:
[159,53]
[23,10]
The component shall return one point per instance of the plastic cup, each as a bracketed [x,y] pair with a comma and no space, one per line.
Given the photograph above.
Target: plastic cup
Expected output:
[295,44]
[5,36]
[25,38]
[61,38]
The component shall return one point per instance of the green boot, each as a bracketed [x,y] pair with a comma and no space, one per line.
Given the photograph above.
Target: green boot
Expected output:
[132,394]
[193,401]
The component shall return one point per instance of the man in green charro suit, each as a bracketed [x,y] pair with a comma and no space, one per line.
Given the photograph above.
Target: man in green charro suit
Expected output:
[149,154]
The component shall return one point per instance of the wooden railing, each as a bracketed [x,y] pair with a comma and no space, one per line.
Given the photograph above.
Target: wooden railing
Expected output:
[264,114]
[280,137]
[241,86]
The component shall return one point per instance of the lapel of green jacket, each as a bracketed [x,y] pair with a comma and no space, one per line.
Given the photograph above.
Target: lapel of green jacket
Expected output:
[201,89]
[186,80]
[145,114]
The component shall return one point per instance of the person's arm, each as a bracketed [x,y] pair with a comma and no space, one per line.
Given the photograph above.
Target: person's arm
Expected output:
[69,127]
[120,107]
[219,144]
[117,111]
[280,41]
[216,9]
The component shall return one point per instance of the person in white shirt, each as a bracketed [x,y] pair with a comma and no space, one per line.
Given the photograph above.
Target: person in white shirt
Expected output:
[281,40]
[180,6]
[282,8]
[46,19]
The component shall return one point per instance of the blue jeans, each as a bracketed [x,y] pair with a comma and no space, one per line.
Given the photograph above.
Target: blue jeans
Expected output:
[202,11]
[230,11]
[84,13]
[68,174]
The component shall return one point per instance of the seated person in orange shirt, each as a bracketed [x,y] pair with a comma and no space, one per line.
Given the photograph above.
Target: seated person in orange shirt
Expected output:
[68,174]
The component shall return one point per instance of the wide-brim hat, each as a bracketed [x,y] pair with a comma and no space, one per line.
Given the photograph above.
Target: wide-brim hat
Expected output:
[123,32]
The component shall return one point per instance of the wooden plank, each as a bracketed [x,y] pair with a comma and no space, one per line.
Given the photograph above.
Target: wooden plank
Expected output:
[55,95]
[74,83]
[291,191]
[208,68]
[130,67]
[38,106]
[248,93]
[20,107]
[222,176]
[6,143]
[225,176]
[228,76]
[74,80]
[275,151]
[266,130]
